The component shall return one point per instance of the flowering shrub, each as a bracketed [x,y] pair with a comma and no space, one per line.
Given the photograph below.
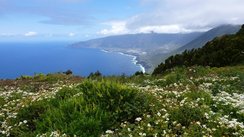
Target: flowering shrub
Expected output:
[86,109]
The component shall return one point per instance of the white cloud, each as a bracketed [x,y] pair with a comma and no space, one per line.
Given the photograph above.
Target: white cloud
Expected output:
[189,14]
[174,16]
[30,34]
[116,27]
[71,34]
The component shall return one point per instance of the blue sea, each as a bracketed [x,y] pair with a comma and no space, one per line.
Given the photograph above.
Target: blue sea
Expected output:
[18,59]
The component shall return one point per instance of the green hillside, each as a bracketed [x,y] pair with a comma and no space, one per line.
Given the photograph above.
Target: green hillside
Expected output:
[198,42]
[209,35]
[193,101]
[221,51]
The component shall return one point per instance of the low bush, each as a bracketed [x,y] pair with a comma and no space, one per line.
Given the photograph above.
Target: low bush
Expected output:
[86,110]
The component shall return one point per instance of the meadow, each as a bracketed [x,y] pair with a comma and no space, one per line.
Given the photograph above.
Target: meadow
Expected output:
[185,101]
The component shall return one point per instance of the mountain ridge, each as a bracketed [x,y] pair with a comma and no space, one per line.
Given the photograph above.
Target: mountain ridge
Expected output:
[151,48]
[140,40]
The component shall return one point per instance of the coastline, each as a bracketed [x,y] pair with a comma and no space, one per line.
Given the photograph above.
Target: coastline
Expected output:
[134,61]
[134,58]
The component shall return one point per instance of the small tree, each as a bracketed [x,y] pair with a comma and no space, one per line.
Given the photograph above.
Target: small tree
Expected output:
[68,72]
[97,74]
[139,73]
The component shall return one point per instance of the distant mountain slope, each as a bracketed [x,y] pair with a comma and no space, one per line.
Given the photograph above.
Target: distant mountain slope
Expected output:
[141,45]
[221,51]
[198,42]
[209,35]
[143,41]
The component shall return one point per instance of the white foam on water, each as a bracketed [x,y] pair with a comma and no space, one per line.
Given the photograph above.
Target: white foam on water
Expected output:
[134,59]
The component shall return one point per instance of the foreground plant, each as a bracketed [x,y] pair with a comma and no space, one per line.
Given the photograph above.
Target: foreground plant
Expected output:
[87,109]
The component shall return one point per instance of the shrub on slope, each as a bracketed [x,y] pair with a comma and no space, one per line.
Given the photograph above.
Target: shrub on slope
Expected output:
[85,110]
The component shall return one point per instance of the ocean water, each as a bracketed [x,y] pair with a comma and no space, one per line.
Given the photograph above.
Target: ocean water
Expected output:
[18,59]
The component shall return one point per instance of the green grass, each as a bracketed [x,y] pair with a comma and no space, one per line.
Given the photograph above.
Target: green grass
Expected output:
[188,102]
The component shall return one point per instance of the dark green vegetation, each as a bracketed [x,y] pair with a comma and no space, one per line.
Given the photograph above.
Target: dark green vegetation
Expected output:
[209,35]
[222,51]
[87,109]
[95,75]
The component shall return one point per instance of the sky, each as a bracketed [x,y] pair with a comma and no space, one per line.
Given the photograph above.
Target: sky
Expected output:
[78,20]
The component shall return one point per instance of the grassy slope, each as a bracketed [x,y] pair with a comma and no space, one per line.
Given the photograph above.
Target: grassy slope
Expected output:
[193,101]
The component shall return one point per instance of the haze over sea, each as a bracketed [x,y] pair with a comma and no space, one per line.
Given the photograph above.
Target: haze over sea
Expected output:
[18,59]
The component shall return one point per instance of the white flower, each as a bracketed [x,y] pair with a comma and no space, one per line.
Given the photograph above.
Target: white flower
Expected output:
[129,129]
[109,132]
[138,119]
[142,134]
[149,125]
[20,123]
[199,123]
[206,115]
